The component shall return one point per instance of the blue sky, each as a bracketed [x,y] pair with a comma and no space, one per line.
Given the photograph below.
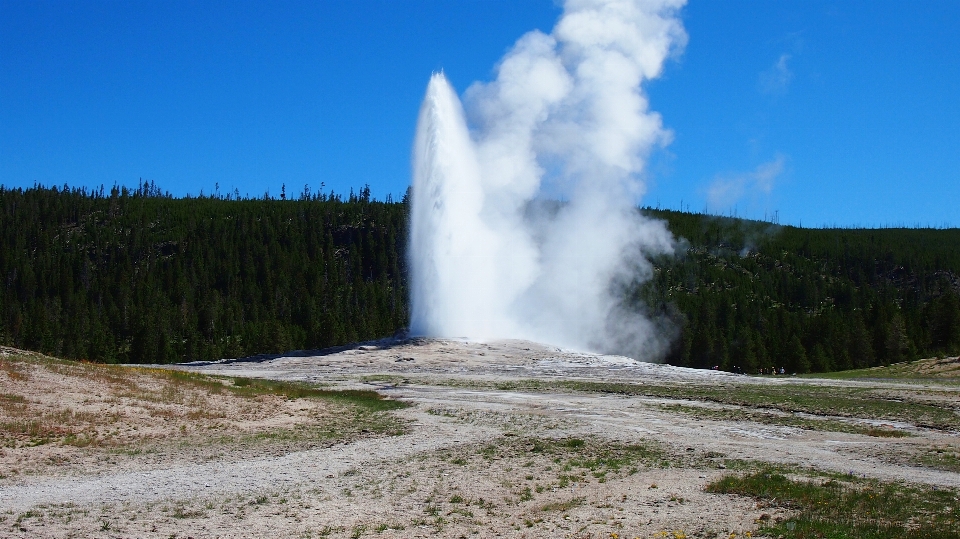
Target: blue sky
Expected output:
[825,112]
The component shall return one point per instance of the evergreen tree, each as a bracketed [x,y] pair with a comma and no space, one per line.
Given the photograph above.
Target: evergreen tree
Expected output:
[134,275]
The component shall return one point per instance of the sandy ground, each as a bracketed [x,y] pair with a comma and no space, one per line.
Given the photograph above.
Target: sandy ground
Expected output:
[476,459]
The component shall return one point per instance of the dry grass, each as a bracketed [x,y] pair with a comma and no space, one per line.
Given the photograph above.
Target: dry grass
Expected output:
[945,369]
[54,411]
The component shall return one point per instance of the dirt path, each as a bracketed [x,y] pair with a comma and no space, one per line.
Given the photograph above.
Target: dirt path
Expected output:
[242,477]
[632,419]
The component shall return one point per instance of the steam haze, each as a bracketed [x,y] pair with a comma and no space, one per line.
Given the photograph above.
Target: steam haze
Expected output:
[492,252]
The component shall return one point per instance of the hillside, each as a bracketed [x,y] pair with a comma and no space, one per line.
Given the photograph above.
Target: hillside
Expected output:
[750,295]
[137,276]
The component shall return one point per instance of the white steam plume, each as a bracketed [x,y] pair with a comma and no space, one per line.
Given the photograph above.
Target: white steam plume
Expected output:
[566,117]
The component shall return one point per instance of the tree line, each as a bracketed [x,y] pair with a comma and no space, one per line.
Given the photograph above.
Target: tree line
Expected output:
[137,276]
[750,295]
[133,275]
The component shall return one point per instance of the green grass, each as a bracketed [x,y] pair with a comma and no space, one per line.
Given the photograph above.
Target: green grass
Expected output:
[846,402]
[941,458]
[816,400]
[789,420]
[841,507]
[367,399]
[579,459]
[615,458]
[253,387]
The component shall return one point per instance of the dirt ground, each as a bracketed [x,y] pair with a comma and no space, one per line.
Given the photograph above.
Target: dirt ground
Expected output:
[501,439]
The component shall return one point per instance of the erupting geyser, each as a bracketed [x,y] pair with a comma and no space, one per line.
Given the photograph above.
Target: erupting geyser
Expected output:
[493,251]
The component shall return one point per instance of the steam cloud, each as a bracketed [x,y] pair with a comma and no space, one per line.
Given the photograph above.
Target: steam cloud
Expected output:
[566,119]
[727,190]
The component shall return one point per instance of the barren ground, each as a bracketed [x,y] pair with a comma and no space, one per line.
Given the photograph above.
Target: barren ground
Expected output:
[509,439]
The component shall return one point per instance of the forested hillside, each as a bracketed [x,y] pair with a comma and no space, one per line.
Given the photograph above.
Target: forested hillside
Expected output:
[138,276]
[751,295]
[134,276]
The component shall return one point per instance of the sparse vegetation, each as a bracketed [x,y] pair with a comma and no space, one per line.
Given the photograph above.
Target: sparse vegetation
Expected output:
[943,370]
[867,403]
[121,408]
[784,420]
[838,506]
[941,458]
[563,506]
[556,465]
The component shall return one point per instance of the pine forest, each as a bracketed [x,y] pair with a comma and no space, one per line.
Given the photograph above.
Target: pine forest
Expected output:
[137,276]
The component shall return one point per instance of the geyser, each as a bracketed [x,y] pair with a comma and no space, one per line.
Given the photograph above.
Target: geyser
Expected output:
[523,211]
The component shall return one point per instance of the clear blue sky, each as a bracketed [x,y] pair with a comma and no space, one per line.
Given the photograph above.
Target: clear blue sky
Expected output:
[827,112]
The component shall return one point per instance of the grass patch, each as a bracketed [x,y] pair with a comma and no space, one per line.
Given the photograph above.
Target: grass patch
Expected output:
[879,432]
[938,369]
[941,458]
[842,507]
[563,506]
[815,400]
[367,399]
[254,387]
[783,420]
[845,402]
[577,460]
[13,368]
[183,404]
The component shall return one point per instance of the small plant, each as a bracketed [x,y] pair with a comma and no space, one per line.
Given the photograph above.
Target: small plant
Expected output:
[886,433]
[180,512]
[563,506]
[462,511]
